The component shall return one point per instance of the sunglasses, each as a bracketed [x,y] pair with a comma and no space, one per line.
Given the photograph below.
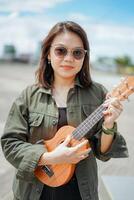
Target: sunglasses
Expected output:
[77,53]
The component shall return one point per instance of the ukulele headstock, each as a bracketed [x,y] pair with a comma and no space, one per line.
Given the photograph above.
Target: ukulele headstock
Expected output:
[124,89]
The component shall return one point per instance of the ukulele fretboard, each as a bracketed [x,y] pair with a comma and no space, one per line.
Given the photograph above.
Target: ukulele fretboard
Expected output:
[88,123]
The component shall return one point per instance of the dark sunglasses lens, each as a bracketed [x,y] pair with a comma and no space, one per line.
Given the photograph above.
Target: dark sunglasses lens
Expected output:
[78,53]
[60,51]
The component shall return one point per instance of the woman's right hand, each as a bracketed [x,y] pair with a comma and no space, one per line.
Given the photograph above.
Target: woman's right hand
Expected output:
[65,154]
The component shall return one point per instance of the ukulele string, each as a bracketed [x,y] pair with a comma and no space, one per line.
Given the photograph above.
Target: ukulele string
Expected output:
[89,122]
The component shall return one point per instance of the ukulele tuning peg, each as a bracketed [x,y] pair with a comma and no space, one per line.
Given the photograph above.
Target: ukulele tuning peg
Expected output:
[114,86]
[125,97]
[128,100]
[131,88]
[119,92]
[122,79]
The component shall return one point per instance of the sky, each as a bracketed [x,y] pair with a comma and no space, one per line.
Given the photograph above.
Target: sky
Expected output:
[109,23]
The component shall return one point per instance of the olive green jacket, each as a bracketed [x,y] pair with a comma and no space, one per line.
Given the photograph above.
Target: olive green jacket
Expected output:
[33,117]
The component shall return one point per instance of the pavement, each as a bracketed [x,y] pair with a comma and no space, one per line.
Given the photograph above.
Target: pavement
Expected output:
[14,78]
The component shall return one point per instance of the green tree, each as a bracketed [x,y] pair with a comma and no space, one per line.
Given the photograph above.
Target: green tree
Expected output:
[122,62]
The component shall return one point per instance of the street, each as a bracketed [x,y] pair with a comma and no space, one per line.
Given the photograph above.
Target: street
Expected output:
[13,79]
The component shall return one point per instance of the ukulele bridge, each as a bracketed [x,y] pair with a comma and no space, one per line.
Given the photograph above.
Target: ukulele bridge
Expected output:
[48,170]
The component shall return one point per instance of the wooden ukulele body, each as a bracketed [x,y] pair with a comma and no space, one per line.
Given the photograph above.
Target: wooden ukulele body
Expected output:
[62,172]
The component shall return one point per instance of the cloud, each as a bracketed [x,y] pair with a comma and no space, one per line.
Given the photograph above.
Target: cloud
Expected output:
[23,31]
[29,5]
[114,32]
[77,17]
[111,40]
[105,39]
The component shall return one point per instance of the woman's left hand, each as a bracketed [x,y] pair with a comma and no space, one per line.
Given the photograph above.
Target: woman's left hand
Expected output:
[113,111]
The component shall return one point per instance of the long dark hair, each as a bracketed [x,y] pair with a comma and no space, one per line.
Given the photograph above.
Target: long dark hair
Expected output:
[45,74]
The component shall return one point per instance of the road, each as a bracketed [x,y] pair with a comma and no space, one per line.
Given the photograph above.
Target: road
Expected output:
[13,79]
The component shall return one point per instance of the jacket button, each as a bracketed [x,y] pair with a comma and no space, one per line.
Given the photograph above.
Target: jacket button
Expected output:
[54,122]
[38,190]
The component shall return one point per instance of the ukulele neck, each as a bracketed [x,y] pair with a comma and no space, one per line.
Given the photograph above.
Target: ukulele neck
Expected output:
[88,123]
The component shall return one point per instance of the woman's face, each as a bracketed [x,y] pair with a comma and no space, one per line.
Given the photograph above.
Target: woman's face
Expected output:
[65,55]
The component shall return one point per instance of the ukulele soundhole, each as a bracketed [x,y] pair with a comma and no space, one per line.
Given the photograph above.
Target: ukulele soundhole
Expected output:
[61,141]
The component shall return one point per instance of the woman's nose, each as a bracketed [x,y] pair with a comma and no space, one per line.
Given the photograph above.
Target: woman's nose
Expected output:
[69,56]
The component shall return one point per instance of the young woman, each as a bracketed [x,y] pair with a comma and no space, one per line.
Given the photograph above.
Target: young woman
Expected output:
[63,95]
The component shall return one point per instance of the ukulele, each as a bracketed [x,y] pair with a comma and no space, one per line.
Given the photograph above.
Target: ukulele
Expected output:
[59,174]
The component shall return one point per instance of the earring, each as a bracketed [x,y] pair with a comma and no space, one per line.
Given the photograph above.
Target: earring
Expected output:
[49,62]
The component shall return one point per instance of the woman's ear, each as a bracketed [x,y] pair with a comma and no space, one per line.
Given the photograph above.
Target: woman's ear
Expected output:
[49,57]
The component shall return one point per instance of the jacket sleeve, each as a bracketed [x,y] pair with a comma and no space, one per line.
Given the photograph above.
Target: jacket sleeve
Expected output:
[118,148]
[22,155]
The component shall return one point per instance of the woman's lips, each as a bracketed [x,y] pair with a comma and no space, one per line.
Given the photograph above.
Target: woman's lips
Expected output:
[67,67]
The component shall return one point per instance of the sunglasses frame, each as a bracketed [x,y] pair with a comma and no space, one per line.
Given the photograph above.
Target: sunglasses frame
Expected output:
[71,50]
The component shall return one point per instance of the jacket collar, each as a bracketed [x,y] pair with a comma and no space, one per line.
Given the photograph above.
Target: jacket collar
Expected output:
[49,91]
[77,82]
[45,90]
